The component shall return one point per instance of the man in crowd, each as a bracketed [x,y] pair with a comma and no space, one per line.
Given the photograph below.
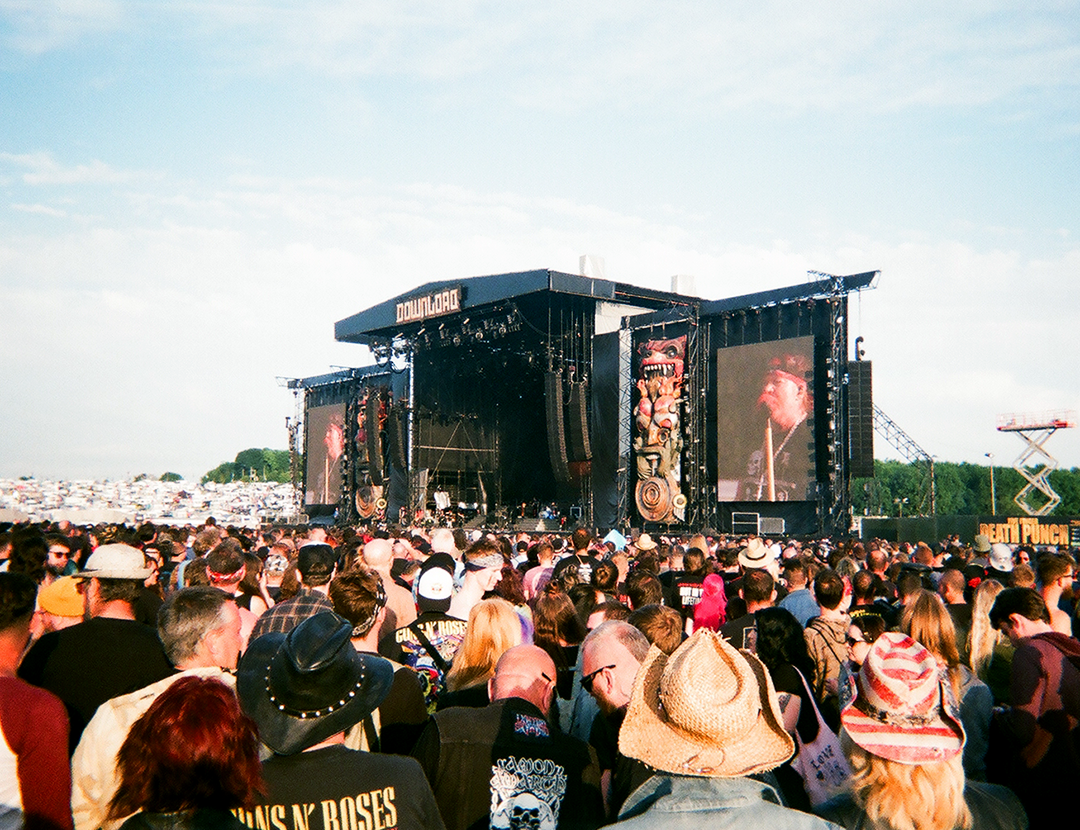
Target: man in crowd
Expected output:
[505,766]
[200,632]
[799,600]
[316,565]
[951,591]
[109,654]
[400,609]
[580,539]
[537,578]
[1055,577]
[758,591]
[1041,756]
[703,720]
[359,596]
[35,778]
[611,656]
[826,638]
[429,643]
[483,563]
[304,689]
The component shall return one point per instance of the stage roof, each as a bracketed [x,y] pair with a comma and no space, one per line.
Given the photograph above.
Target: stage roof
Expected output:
[381,320]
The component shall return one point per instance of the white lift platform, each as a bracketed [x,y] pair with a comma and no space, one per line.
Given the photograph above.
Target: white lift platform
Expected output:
[1035,430]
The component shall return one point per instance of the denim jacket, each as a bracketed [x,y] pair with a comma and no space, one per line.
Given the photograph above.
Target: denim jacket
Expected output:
[678,802]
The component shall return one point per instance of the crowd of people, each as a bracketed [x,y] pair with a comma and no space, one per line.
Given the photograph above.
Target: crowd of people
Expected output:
[305,678]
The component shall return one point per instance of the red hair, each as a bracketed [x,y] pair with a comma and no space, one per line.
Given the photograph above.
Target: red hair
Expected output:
[192,748]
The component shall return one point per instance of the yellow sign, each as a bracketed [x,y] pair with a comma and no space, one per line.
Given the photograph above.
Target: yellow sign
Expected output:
[1027,530]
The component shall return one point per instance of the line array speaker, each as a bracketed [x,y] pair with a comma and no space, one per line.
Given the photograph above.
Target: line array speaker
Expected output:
[556,430]
[374,440]
[578,423]
[861,418]
[395,437]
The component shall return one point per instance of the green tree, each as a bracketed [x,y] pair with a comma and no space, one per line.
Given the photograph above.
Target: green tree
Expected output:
[252,464]
[962,489]
[171,477]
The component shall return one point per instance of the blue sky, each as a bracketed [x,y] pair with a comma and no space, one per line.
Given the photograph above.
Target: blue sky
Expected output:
[192,193]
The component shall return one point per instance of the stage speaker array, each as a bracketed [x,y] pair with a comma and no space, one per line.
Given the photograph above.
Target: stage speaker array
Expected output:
[374,440]
[861,418]
[395,437]
[556,429]
[578,420]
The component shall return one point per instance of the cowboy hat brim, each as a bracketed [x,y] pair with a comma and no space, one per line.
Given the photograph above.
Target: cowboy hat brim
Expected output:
[649,734]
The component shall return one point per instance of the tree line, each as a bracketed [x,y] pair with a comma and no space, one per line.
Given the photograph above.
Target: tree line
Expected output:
[961,489]
[252,465]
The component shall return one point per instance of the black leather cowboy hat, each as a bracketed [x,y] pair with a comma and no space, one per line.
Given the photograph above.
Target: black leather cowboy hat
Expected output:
[304,686]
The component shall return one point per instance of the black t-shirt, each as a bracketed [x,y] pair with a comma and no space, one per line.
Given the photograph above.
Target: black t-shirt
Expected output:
[741,632]
[585,566]
[506,766]
[686,592]
[627,774]
[91,662]
[335,788]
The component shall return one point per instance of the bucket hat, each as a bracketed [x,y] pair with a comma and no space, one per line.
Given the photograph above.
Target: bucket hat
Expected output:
[115,562]
[707,710]
[900,705]
[304,686]
[1001,557]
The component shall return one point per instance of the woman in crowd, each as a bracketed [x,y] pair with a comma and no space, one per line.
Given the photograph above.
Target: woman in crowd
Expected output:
[927,621]
[558,630]
[862,633]
[903,739]
[189,760]
[254,596]
[781,646]
[494,627]
[711,611]
[990,650]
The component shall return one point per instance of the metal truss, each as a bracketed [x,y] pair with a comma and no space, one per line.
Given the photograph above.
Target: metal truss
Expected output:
[626,420]
[888,429]
[838,519]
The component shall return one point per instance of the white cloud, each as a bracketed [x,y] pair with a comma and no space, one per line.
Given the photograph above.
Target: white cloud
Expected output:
[43,210]
[170,332]
[40,26]
[42,168]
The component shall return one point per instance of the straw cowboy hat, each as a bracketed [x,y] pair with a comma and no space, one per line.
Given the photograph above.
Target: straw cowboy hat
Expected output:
[707,710]
[756,555]
[900,706]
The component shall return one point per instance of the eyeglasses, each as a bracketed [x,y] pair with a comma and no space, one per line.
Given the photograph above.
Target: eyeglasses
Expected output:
[587,680]
[851,641]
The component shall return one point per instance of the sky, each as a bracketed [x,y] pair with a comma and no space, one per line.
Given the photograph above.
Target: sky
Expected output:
[192,193]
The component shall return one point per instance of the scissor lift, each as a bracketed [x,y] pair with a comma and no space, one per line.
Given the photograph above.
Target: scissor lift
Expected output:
[1035,430]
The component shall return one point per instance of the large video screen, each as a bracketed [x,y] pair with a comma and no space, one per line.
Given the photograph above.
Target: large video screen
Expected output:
[765,421]
[324,451]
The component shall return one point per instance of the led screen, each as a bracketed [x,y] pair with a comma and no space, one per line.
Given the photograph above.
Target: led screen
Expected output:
[765,421]
[324,451]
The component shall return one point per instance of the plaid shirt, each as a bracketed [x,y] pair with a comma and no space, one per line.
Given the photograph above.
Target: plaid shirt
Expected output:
[285,616]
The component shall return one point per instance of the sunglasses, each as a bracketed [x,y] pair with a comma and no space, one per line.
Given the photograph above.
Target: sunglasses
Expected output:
[851,641]
[587,680]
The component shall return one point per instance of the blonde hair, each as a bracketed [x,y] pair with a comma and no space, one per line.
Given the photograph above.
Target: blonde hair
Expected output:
[984,637]
[926,796]
[494,628]
[928,622]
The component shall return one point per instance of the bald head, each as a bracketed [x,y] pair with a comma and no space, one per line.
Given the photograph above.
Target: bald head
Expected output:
[527,672]
[378,554]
